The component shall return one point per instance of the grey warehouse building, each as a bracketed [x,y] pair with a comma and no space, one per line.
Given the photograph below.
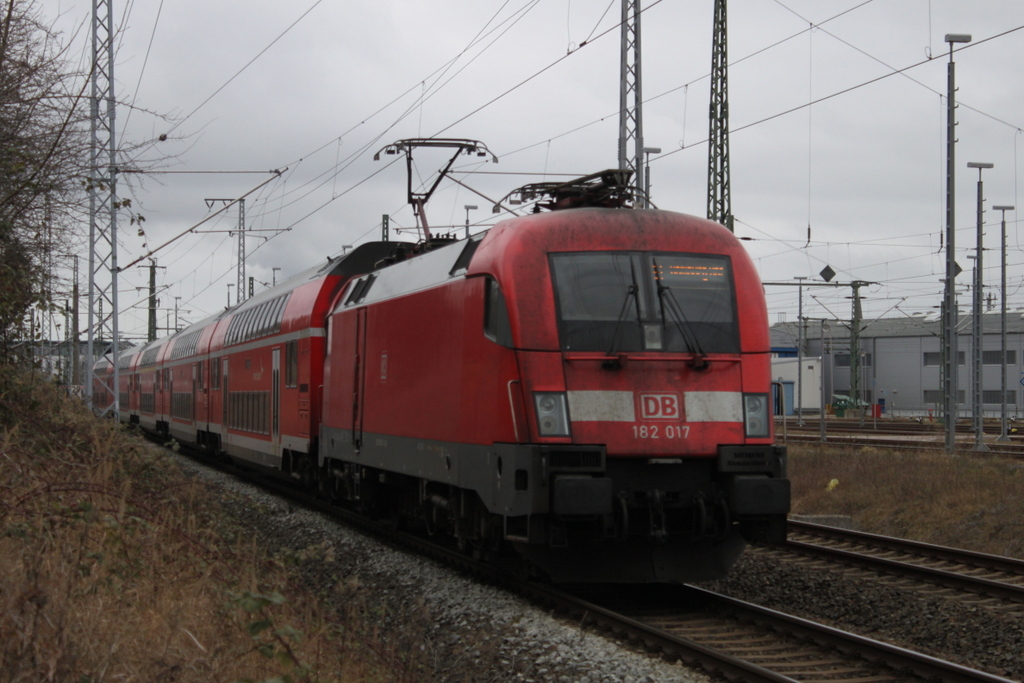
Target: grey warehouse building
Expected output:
[901,361]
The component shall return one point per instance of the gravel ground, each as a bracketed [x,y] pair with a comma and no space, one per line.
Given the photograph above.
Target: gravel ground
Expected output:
[468,631]
[985,638]
[474,632]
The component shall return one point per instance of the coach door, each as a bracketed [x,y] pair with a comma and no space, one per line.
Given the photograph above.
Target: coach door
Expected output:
[225,401]
[275,401]
[359,377]
[194,398]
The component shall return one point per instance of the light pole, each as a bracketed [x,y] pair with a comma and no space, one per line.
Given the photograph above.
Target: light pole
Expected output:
[176,300]
[1003,436]
[229,294]
[977,399]
[469,207]
[821,376]
[800,354]
[648,151]
[273,275]
[949,353]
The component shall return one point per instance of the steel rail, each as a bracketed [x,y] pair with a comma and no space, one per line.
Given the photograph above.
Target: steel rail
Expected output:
[861,658]
[1009,565]
[1010,568]
[1015,451]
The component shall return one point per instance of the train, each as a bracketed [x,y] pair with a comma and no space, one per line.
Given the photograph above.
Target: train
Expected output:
[584,391]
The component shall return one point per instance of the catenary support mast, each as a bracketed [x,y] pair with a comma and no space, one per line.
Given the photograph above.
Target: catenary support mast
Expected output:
[950,355]
[719,196]
[102,208]
[631,118]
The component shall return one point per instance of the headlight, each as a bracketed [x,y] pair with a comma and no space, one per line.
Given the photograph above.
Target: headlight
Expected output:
[755,415]
[552,414]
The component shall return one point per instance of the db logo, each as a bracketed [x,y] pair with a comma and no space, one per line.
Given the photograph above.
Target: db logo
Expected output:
[660,407]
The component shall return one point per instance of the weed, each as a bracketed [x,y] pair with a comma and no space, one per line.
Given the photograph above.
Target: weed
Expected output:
[116,565]
[953,500]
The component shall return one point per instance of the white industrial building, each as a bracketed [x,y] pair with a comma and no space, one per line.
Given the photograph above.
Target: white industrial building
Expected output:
[900,363]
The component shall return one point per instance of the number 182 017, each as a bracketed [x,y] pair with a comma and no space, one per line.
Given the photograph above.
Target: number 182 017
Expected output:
[661,431]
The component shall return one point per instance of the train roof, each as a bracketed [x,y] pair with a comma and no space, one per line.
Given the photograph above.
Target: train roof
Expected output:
[363,258]
[513,242]
[413,274]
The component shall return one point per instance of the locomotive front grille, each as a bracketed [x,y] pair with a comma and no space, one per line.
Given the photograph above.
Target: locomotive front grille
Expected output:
[574,460]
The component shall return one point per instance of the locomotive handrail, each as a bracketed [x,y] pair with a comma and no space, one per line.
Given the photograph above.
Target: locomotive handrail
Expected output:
[781,393]
[512,407]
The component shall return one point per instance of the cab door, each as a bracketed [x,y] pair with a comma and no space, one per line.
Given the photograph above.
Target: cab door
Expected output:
[359,379]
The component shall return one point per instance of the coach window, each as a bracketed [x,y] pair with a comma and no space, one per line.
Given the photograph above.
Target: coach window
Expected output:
[243,328]
[258,316]
[250,324]
[279,312]
[236,335]
[215,373]
[264,316]
[291,364]
[496,324]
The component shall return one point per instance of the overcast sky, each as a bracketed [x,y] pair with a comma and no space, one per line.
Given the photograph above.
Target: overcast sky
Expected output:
[316,87]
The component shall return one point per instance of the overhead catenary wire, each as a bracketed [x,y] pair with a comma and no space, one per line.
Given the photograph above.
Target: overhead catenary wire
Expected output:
[438,74]
[338,187]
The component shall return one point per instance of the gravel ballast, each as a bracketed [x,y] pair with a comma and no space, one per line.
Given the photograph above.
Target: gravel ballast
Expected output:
[988,637]
[468,631]
[471,631]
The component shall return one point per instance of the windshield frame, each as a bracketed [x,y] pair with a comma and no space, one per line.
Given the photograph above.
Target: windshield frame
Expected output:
[602,317]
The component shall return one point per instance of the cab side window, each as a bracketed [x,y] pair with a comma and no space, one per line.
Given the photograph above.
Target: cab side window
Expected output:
[496,323]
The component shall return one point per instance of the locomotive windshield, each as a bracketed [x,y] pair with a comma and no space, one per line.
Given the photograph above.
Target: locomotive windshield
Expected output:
[645,301]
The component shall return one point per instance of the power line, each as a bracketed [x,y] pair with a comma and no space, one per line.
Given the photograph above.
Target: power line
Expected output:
[246,66]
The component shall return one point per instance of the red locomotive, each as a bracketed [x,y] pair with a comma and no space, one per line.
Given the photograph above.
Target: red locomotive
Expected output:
[588,386]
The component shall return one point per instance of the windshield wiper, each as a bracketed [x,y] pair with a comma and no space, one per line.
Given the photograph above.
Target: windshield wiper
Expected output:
[632,291]
[679,319]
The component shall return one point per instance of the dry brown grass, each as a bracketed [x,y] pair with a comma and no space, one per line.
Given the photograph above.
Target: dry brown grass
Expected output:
[962,501]
[114,567]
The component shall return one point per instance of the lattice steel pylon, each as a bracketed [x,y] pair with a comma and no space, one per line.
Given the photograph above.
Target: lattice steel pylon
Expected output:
[240,287]
[719,196]
[631,118]
[102,210]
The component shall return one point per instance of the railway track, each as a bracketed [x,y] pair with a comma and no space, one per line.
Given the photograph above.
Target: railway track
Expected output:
[911,440]
[726,637]
[893,427]
[989,577]
[745,642]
